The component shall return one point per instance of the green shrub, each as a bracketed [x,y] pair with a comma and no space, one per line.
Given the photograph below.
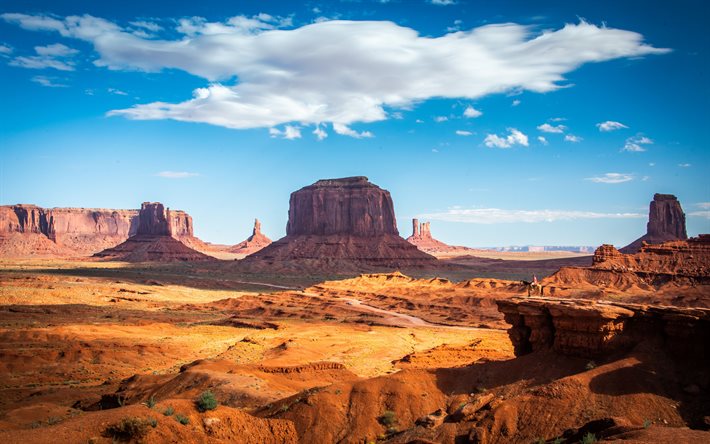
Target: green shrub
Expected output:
[184,420]
[153,422]
[589,438]
[591,365]
[388,418]
[206,401]
[646,423]
[129,429]
[151,402]
[169,411]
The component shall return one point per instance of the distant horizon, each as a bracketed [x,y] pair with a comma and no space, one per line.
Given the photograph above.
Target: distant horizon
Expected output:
[503,123]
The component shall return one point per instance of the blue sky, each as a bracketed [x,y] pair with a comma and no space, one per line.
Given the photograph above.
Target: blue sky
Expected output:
[504,123]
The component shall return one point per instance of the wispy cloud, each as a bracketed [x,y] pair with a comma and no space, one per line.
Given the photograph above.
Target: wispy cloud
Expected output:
[320,133]
[572,138]
[442,2]
[49,82]
[471,112]
[5,50]
[345,130]
[56,56]
[289,132]
[610,125]
[282,81]
[514,138]
[176,174]
[704,214]
[547,128]
[497,215]
[542,140]
[439,119]
[685,165]
[635,144]
[612,178]
[516,102]
[463,133]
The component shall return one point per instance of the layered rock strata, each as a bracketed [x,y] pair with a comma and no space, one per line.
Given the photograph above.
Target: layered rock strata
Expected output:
[666,222]
[253,243]
[346,219]
[421,238]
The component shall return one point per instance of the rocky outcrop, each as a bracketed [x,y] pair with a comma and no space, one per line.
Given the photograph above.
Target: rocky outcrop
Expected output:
[594,329]
[666,222]
[347,219]
[153,241]
[253,243]
[421,238]
[29,230]
[677,268]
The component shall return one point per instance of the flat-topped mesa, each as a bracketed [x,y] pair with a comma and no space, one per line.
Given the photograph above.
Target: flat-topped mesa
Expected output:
[351,205]
[666,222]
[154,220]
[347,219]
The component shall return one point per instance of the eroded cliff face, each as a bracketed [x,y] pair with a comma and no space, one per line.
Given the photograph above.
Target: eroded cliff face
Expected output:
[595,329]
[666,222]
[27,230]
[253,243]
[421,238]
[346,219]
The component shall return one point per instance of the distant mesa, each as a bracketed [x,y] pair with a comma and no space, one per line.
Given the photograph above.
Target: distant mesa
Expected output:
[348,219]
[154,241]
[666,222]
[253,243]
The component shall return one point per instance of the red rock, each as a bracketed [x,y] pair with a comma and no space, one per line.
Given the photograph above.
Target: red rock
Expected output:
[421,238]
[154,242]
[253,243]
[343,219]
[666,222]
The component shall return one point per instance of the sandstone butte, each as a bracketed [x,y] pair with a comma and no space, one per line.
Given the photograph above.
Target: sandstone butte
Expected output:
[253,243]
[421,238]
[154,241]
[29,230]
[342,220]
[666,222]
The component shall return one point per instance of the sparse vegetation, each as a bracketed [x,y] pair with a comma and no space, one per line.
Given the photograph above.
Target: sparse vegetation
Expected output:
[129,429]
[589,438]
[388,419]
[558,440]
[338,391]
[169,411]
[591,365]
[153,422]
[184,420]
[206,401]
[52,420]
[151,402]
[646,423]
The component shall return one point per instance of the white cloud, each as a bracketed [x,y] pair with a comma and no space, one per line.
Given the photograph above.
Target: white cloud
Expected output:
[572,138]
[49,82]
[703,205]
[442,2]
[289,132]
[612,178]
[5,49]
[610,125]
[149,26]
[516,102]
[320,133]
[463,133]
[685,165]
[547,128]
[542,140]
[652,164]
[471,112]
[117,92]
[56,56]
[515,137]
[704,214]
[176,174]
[282,79]
[439,119]
[634,144]
[345,130]
[497,215]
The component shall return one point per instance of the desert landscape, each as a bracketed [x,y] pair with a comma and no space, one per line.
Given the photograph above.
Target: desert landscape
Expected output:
[354,222]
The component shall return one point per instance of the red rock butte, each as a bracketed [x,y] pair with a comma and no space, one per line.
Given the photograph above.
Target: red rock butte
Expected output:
[343,219]
[666,222]
[421,238]
[154,241]
[253,243]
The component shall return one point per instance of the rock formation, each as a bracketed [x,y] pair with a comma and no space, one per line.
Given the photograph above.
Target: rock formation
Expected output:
[421,238]
[666,222]
[347,219]
[29,230]
[253,243]
[592,329]
[153,241]
[675,268]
